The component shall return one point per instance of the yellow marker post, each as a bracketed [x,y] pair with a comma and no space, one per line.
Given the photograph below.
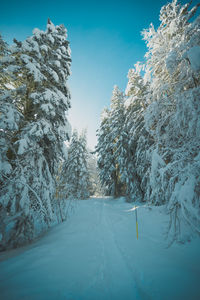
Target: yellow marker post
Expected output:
[136,222]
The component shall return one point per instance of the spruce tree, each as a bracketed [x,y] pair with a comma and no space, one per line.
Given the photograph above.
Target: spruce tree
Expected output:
[4,51]
[131,172]
[40,66]
[84,181]
[117,119]
[75,171]
[95,184]
[172,118]
[109,144]
[104,150]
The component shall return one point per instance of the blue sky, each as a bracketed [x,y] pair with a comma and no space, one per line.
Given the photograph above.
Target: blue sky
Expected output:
[105,38]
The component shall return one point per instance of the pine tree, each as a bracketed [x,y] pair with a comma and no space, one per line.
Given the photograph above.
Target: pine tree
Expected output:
[95,184]
[117,119]
[44,61]
[3,54]
[105,152]
[3,46]
[76,174]
[84,182]
[10,119]
[132,174]
[109,144]
[173,116]
[40,66]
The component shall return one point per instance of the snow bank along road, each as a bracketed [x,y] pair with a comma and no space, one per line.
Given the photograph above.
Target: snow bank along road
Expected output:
[96,255]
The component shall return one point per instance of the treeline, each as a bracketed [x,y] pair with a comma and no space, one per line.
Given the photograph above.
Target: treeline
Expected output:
[37,171]
[149,139]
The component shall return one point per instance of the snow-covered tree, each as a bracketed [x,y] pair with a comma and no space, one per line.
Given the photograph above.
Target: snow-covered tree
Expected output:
[3,46]
[3,53]
[156,150]
[132,168]
[104,151]
[40,99]
[120,131]
[10,119]
[173,61]
[75,171]
[95,184]
[109,144]
[117,119]
[44,61]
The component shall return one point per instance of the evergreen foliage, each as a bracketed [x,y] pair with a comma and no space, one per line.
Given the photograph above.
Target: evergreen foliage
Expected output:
[109,145]
[132,168]
[154,145]
[148,142]
[75,170]
[33,130]
[95,185]
[173,116]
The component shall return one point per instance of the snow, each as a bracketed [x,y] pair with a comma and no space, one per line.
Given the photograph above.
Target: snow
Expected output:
[104,114]
[57,63]
[30,45]
[6,59]
[51,27]
[194,57]
[22,146]
[64,50]
[48,109]
[33,68]
[9,86]
[54,75]
[12,68]
[5,167]
[95,255]
[50,38]
[129,101]
[37,32]
[171,62]
[44,47]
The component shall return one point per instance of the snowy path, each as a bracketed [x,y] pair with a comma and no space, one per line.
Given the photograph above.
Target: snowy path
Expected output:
[95,255]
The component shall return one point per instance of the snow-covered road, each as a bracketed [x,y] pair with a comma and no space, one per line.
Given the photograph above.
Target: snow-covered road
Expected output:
[96,255]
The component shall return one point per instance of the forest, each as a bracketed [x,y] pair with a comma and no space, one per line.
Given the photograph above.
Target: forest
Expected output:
[148,147]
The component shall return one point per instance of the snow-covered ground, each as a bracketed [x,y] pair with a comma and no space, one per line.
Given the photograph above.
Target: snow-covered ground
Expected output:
[96,255]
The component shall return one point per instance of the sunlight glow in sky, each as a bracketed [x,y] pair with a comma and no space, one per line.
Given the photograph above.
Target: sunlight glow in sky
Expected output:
[105,39]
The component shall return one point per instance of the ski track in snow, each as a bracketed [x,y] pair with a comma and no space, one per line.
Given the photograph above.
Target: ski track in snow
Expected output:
[95,255]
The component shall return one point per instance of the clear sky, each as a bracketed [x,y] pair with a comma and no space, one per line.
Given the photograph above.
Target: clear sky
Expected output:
[105,39]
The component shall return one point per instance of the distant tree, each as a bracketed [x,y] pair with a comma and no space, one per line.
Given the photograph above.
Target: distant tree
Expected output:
[133,131]
[108,146]
[104,151]
[76,173]
[95,184]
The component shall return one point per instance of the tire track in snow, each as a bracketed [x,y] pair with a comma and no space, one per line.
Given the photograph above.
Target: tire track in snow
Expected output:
[116,272]
[141,294]
[98,281]
[113,277]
